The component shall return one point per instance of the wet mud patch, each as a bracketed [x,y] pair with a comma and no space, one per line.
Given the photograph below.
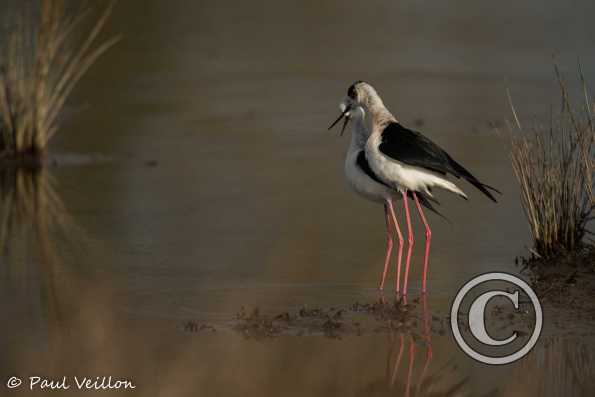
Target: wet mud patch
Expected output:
[329,322]
[501,321]
[354,319]
[333,322]
[565,286]
[195,327]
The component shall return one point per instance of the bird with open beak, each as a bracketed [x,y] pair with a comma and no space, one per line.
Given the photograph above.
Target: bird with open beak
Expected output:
[345,115]
[366,183]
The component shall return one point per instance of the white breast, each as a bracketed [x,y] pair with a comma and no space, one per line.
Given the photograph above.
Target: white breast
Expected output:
[362,184]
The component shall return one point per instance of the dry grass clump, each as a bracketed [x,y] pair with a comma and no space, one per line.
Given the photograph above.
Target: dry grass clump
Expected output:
[41,61]
[554,168]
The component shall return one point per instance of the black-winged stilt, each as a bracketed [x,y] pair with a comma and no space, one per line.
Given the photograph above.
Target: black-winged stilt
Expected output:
[385,156]
[364,182]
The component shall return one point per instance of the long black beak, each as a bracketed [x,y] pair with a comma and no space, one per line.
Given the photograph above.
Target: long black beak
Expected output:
[343,114]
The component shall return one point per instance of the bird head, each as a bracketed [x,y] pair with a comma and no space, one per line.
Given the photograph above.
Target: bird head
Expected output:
[364,95]
[360,96]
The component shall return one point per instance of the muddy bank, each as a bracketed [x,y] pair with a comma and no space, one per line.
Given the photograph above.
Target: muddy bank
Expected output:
[565,285]
[358,318]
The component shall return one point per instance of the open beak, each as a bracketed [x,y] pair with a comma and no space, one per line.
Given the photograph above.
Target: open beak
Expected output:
[344,114]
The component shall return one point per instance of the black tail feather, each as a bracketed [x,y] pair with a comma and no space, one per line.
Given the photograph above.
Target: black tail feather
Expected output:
[493,189]
[482,187]
[426,200]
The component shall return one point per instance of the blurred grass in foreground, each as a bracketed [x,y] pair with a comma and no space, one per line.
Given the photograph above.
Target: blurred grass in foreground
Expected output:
[49,49]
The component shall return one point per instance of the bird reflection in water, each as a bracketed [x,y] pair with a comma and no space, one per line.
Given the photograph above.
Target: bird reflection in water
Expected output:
[406,337]
[410,356]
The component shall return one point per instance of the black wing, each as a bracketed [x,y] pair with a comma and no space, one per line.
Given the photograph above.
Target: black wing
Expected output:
[424,199]
[412,148]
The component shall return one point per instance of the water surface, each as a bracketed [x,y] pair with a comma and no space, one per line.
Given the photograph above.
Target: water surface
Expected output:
[223,189]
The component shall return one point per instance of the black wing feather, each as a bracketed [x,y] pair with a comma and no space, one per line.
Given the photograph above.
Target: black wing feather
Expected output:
[412,148]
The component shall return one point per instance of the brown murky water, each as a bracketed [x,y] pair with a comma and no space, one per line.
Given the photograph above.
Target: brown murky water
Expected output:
[218,188]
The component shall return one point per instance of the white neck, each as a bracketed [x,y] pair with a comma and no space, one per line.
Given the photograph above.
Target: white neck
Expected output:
[359,134]
[379,115]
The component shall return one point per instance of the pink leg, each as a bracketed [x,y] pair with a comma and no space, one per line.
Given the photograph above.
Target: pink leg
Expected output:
[410,369]
[410,240]
[428,337]
[398,362]
[400,253]
[428,240]
[389,247]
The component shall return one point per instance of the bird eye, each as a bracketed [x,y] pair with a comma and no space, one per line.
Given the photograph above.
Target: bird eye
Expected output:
[352,93]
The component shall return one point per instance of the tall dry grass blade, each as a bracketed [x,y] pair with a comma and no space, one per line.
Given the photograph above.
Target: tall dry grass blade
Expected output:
[41,63]
[554,169]
[516,117]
